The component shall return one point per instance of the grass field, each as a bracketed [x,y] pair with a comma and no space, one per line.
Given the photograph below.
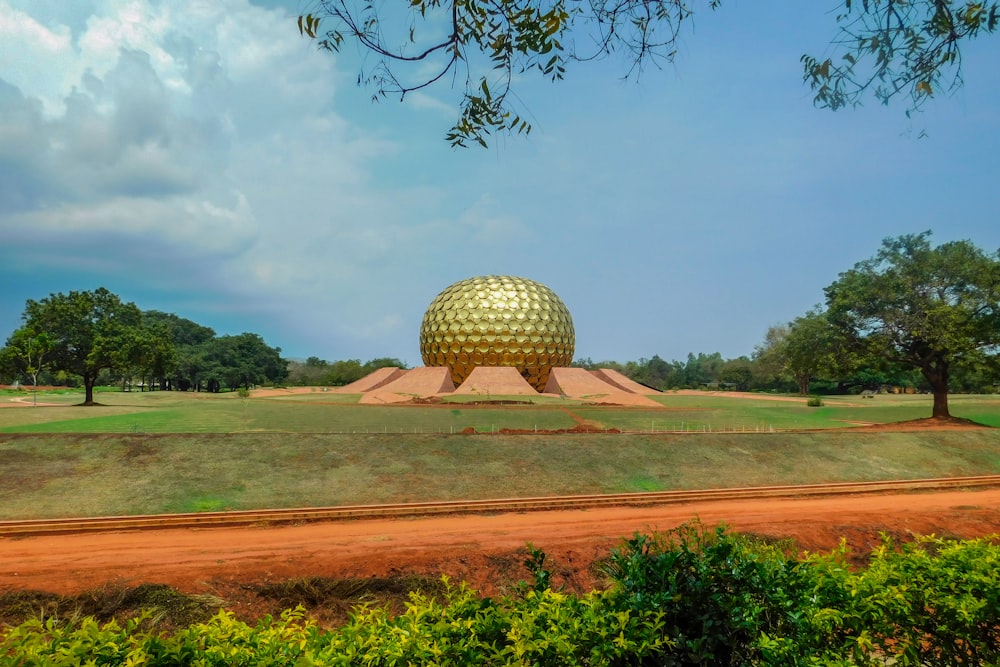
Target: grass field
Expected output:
[321,412]
[48,475]
[174,452]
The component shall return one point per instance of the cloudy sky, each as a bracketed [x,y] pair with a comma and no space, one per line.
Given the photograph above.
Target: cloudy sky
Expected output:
[202,158]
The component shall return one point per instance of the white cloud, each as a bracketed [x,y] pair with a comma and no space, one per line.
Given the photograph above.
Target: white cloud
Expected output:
[201,152]
[422,101]
[205,137]
[190,225]
[35,56]
[142,131]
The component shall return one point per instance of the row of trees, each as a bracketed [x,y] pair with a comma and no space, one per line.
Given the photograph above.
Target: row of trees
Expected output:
[782,363]
[200,360]
[315,372]
[913,315]
[95,336]
[911,308]
[697,372]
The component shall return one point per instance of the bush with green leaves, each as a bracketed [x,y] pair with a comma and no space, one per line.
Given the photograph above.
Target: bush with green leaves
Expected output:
[931,602]
[730,600]
[541,628]
[719,593]
[460,629]
[690,596]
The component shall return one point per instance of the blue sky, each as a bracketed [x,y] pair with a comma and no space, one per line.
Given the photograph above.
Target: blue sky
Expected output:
[202,158]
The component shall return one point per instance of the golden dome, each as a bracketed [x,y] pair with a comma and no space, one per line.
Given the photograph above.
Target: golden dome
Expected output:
[498,321]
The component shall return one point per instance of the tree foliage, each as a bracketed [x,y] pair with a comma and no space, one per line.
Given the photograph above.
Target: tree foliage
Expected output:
[26,351]
[87,332]
[206,362]
[319,372]
[892,48]
[807,348]
[244,361]
[94,335]
[888,47]
[929,308]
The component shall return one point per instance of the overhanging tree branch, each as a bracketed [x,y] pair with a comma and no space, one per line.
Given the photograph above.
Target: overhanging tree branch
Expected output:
[894,48]
[890,47]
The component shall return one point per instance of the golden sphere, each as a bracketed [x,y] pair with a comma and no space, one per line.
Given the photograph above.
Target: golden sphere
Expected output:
[498,321]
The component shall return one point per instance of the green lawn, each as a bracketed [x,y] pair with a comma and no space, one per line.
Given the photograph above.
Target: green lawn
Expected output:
[171,452]
[322,412]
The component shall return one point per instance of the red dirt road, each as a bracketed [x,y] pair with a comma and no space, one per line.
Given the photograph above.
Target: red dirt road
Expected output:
[482,550]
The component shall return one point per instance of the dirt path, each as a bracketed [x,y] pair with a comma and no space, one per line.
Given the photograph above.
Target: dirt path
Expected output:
[25,402]
[482,550]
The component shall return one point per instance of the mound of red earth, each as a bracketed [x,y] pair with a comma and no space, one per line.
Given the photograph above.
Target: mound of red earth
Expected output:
[424,384]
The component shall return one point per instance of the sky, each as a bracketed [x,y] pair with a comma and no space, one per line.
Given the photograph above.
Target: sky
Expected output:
[204,159]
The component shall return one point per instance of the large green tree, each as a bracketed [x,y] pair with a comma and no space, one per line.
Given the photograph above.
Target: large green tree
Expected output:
[886,47]
[929,308]
[87,332]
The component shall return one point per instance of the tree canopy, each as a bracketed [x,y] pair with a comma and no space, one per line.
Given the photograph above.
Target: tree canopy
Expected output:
[883,47]
[26,351]
[929,308]
[316,371]
[807,348]
[86,332]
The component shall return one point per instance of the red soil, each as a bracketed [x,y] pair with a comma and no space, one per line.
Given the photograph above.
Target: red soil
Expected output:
[483,550]
[496,381]
[579,383]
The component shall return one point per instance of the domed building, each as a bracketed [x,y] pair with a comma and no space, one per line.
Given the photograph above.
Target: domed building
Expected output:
[497,337]
[498,321]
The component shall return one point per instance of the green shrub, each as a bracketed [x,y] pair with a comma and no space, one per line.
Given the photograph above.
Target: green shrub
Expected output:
[718,593]
[931,602]
[54,644]
[814,402]
[687,597]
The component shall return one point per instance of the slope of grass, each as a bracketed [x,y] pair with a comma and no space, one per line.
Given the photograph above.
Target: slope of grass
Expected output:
[174,451]
[48,475]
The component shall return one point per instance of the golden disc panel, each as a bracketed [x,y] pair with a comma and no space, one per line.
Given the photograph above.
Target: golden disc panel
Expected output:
[498,321]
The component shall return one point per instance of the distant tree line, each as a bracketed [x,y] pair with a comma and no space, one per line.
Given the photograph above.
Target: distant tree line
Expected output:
[773,369]
[316,372]
[914,317]
[698,371]
[92,338]
[202,361]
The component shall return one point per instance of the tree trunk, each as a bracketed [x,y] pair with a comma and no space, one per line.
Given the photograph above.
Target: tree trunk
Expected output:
[941,404]
[804,385]
[88,388]
[938,377]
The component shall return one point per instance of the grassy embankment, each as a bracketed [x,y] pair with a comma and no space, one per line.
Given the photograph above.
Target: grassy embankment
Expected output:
[170,452]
